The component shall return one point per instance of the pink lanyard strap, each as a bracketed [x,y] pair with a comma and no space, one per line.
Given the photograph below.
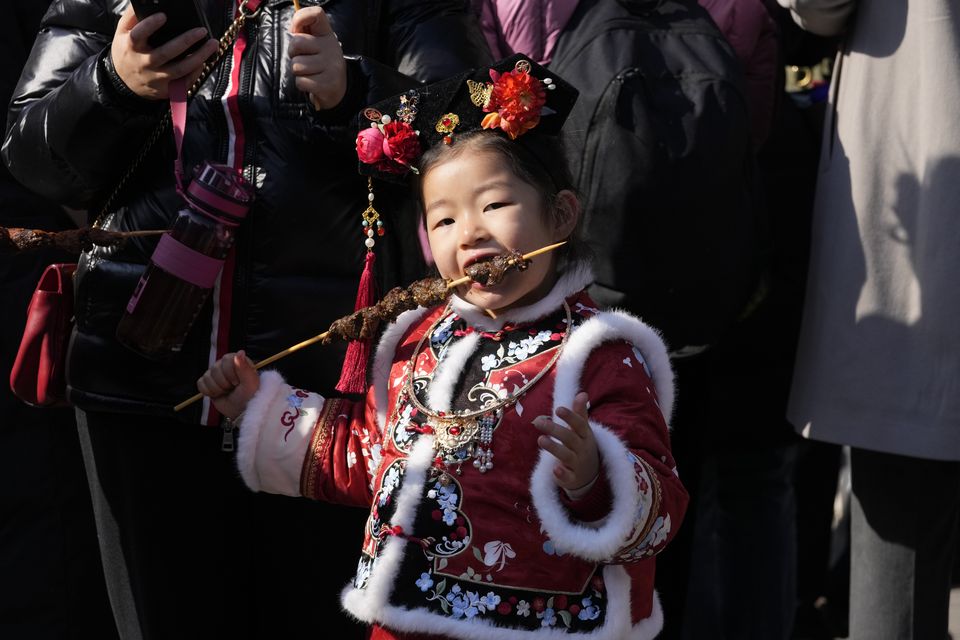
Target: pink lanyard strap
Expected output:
[178,114]
[178,89]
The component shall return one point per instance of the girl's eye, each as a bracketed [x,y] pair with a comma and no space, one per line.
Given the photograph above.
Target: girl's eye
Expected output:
[444,222]
[495,205]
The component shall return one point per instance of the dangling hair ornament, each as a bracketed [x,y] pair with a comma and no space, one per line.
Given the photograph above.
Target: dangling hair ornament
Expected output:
[391,146]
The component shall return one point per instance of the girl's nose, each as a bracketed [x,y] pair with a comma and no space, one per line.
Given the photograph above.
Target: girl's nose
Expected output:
[472,231]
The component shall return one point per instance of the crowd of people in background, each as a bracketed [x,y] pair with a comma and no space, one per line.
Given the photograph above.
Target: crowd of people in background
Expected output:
[795,159]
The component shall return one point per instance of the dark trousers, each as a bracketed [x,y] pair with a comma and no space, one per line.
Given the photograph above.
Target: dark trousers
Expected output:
[904,536]
[51,583]
[190,552]
[743,569]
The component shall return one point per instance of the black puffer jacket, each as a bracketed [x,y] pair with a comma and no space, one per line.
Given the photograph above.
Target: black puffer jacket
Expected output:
[299,252]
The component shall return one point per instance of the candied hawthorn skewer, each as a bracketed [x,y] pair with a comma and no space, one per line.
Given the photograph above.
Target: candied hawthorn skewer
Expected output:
[363,323]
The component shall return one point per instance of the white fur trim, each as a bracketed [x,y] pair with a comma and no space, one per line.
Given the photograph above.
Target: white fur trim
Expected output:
[272,387]
[574,279]
[609,326]
[365,604]
[270,453]
[596,541]
[449,371]
[383,360]
[617,625]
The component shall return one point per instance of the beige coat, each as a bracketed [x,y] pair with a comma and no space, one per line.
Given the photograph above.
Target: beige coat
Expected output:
[878,365]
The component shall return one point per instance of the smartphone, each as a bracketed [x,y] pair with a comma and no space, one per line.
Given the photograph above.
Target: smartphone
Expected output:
[182,16]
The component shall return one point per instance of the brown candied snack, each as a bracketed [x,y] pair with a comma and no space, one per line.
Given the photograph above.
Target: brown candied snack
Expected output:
[491,272]
[73,240]
[363,323]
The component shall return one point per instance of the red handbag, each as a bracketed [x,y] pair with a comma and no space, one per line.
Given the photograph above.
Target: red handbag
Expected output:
[38,376]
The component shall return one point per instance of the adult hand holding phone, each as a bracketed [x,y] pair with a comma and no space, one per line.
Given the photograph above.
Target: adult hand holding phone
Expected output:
[316,58]
[148,71]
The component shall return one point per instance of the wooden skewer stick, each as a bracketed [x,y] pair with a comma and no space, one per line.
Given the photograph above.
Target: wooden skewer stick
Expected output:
[318,338]
[296,5]
[137,234]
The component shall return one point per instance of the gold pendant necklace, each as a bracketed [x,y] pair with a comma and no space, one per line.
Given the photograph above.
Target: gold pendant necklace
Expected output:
[459,436]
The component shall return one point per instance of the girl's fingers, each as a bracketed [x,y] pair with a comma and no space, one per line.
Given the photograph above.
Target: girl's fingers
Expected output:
[577,417]
[228,366]
[580,403]
[219,379]
[557,450]
[207,387]
[246,372]
[550,428]
[565,477]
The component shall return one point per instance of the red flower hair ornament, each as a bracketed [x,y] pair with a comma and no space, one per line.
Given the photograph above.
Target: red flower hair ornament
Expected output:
[515,100]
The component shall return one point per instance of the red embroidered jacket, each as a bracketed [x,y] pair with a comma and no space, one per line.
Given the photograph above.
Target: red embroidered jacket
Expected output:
[449,550]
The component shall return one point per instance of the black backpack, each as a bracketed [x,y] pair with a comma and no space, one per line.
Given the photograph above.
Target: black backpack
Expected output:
[659,144]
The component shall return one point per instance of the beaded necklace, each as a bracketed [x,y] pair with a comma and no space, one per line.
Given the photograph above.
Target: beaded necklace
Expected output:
[469,434]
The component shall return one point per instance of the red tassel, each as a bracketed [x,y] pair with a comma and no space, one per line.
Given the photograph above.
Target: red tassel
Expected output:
[353,375]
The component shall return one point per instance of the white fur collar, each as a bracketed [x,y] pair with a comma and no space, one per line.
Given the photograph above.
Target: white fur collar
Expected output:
[575,278]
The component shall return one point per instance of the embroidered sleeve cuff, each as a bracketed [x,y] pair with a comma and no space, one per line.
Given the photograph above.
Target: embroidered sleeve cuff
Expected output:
[275,433]
[592,502]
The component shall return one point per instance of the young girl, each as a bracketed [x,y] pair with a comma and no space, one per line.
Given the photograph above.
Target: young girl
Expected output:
[513,447]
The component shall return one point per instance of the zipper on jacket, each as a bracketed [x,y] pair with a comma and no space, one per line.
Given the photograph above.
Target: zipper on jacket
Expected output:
[228,440]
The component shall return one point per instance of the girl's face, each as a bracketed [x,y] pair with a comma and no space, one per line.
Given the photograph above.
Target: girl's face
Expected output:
[477,208]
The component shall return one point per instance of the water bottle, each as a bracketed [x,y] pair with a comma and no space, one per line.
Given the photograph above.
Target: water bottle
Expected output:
[186,263]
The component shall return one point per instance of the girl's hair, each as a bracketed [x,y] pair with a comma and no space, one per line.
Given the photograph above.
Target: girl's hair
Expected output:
[538,160]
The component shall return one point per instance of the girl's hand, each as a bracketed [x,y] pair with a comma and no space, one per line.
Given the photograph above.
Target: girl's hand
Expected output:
[147,71]
[316,58]
[230,383]
[574,448]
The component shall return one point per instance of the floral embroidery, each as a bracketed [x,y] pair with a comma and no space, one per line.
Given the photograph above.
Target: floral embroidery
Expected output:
[589,611]
[528,346]
[425,582]
[446,497]
[642,361]
[497,552]
[391,479]
[659,532]
[364,568]
[582,309]
[550,610]
[402,434]
[443,332]
[289,417]
[490,601]
[548,616]
[488,362]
